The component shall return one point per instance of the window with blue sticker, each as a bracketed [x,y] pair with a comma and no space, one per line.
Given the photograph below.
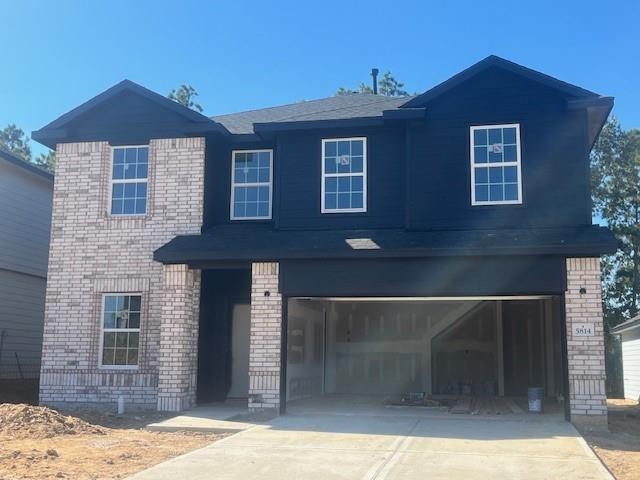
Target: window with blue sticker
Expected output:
[251,180]
[129,171]
[344,175]
[495,165]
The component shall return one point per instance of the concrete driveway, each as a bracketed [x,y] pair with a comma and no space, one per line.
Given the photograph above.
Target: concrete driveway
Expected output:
[391,447]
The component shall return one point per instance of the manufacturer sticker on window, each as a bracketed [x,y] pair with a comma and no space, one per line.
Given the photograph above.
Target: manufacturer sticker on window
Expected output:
[343,160]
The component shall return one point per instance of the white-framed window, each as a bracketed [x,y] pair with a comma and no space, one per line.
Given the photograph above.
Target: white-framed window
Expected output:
[344,175]
[251,184]
[496,176]
[120,331]
[129,172]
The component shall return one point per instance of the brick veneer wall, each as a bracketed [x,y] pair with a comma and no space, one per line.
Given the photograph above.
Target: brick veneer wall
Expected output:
[587,394]
[178,360]
[265,337]
[92,253]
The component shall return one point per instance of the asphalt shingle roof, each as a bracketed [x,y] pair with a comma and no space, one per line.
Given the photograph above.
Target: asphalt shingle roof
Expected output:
[331,108]
[21,162]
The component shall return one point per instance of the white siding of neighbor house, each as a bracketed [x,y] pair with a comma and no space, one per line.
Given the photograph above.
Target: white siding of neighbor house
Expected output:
[631,363]
[25,220]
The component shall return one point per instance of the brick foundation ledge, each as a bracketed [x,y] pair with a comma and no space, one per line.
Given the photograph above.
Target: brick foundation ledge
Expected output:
[100,406]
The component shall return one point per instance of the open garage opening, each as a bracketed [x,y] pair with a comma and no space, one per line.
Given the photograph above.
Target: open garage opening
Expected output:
[463,355]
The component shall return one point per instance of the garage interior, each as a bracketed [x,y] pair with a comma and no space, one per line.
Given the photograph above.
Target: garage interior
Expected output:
[470,355]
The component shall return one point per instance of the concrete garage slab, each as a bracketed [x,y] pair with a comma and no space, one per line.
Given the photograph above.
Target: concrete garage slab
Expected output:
[393,448]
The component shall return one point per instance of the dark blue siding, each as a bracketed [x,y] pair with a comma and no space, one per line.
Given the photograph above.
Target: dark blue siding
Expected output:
[217,181]
[441,276]
[297,180]
[419,173]
[554,163]
[220,291]
[299,176]
[129,119]
[217,191]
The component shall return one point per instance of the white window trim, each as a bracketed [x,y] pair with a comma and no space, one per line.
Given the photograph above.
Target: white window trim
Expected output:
[253,184]
[517,164]
[127,180]
[103,330]
[364,176]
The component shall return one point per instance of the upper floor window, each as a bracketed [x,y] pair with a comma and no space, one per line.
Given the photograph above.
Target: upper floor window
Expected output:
[129,172]
[251,183]
[496,177]
[344,175]
[120,330]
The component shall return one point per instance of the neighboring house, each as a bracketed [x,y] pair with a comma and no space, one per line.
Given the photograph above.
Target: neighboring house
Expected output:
[356,245]
[629,332]
[26,193]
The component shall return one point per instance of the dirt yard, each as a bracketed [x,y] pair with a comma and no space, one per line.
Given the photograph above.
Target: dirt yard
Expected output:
[620,448]
[39,443]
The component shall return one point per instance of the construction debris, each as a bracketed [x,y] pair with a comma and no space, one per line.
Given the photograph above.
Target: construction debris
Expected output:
[37,443]
[22,421]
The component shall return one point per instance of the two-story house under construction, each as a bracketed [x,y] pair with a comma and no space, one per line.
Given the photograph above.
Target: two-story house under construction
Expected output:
[357,245]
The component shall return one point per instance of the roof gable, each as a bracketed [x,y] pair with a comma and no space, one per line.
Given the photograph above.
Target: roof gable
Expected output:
[130,113]
[124,103]
[117,89]
[493,61]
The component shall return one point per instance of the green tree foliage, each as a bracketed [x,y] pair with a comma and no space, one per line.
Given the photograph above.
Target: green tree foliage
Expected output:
[46,160]
[615,168]
[363,88]
[14,140]
[184,95]
[387,86]
[391,87]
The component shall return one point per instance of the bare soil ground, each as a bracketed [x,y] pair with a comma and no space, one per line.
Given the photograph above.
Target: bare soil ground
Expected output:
[620,448]
[40,443]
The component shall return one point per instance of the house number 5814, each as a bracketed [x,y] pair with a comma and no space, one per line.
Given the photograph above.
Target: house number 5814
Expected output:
[583,330]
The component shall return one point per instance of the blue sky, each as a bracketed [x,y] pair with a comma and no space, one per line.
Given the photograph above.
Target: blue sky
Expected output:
[249,54]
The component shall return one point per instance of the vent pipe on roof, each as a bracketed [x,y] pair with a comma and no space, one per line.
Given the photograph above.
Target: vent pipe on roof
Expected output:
[374,74]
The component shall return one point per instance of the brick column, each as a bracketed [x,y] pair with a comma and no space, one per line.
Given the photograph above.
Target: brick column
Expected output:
[178,355]
[265,337]
[585,343]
